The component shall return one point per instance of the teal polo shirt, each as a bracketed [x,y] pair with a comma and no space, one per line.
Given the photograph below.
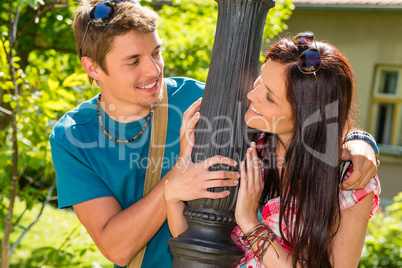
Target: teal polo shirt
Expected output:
[89,165]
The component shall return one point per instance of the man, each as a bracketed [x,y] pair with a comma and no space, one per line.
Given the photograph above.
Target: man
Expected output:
[100,149]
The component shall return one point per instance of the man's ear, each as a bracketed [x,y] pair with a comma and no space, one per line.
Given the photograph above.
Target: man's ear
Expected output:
[91,68]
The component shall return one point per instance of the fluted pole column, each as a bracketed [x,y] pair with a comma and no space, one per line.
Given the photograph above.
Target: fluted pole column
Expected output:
[222,131]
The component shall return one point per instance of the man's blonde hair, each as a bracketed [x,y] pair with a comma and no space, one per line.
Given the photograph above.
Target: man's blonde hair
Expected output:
[98,41]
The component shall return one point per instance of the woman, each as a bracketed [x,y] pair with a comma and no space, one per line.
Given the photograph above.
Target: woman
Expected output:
[301,102]
[308,221]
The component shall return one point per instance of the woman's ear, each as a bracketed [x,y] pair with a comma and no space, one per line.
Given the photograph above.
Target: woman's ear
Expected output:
[91,68]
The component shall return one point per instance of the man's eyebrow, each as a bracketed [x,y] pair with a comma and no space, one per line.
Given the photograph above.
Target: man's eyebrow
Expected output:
[131,57]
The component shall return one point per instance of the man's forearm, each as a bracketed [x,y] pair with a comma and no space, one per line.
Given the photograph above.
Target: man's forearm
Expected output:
[120,234]
[131,229]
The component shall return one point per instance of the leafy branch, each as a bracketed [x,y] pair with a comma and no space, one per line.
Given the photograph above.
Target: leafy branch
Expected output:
[48,198]
[38,15]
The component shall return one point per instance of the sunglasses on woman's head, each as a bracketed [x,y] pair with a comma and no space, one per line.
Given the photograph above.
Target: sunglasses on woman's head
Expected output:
[309,61]
[102,14]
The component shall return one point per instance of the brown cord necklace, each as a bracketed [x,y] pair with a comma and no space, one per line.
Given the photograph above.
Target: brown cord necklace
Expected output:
[118,140]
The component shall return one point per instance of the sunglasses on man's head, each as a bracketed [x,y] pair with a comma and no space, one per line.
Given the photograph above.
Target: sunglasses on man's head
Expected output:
[309,61]
[102,14]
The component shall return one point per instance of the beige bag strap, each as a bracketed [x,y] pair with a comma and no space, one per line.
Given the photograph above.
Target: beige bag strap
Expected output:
[156,152]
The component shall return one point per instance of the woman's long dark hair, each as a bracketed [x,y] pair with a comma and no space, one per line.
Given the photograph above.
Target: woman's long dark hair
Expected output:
[308,183]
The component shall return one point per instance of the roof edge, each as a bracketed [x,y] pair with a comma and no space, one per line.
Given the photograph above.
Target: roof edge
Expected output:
[396,8]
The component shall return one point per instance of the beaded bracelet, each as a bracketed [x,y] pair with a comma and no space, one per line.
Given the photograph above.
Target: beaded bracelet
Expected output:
[259,239]
[358,134]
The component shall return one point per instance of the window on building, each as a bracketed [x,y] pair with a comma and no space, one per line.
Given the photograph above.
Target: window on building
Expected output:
[386,123]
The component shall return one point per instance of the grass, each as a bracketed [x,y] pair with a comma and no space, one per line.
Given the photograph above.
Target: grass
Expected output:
[56,240]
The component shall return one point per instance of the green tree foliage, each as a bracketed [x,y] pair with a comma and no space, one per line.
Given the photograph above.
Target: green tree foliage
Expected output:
[187,29]
[383,245]
[38,84]
[45,64]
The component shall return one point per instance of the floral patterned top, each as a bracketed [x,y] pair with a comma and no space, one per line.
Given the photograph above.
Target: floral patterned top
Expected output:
[270,216]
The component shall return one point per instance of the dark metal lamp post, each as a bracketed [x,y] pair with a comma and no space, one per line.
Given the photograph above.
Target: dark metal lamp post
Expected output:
[221,131]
